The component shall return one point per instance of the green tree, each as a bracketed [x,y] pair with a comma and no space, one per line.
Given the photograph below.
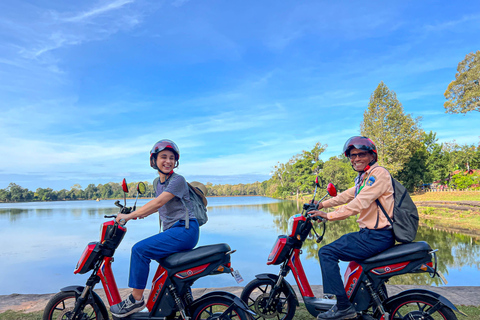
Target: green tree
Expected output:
[463,93]
[76,192]
[91,192]
[338,171]
[397,135]
[4,195]
[17,193]
[307,165]
[414,171]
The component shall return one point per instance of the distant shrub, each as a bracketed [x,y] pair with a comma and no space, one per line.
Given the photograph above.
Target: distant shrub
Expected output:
[465,180]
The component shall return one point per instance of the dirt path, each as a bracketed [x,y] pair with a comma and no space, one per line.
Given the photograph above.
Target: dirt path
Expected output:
[455,205]
[469,296]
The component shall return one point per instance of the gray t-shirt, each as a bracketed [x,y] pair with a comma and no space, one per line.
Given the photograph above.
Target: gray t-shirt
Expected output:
[174,209]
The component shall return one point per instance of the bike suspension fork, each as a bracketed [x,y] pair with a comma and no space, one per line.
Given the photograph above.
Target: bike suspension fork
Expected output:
[376,301]
[277,285]
[80,302]
[178,301]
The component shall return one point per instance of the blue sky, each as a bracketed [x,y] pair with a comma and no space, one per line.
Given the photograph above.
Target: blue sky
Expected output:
[87,87]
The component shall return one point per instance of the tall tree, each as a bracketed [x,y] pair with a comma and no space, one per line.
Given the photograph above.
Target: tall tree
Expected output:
[397,135]
[463,93]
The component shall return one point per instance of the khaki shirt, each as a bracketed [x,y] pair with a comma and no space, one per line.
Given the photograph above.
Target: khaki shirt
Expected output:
[377,184]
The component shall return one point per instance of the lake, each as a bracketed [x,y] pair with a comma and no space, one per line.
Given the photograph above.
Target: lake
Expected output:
[42,242]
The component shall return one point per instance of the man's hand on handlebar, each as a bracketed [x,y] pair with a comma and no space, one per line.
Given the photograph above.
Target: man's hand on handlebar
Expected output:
[318,213]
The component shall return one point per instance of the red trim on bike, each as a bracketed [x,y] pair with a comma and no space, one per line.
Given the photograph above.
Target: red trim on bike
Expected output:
[390,268]
[191,272]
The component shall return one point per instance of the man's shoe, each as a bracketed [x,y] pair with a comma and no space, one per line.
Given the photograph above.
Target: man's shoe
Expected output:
[127,307]
[335,314]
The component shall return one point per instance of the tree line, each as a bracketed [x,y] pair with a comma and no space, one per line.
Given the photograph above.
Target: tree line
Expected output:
[412,156]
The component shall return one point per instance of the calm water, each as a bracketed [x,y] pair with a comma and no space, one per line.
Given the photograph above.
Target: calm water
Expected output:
[42,241]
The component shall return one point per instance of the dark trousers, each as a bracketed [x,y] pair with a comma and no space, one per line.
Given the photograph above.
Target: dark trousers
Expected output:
[355,246]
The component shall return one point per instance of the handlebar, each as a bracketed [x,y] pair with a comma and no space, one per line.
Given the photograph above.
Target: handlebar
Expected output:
[123,209]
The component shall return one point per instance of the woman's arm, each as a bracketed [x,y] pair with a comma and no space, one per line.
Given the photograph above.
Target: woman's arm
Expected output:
[150,207]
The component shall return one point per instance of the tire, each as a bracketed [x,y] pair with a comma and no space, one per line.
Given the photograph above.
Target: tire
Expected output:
[413,308]
[62,304]
[212,307]
[256,293]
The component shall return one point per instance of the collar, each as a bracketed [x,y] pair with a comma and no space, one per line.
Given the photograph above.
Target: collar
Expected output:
[369,168]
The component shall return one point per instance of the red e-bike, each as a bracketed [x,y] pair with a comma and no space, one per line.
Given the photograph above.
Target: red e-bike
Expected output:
[170,296]
[272,297]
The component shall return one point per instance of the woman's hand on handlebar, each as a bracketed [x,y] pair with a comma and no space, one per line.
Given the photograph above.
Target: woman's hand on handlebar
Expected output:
[122,218]
[318,213]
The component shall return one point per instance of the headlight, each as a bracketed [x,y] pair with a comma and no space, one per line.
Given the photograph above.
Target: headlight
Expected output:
[290,224]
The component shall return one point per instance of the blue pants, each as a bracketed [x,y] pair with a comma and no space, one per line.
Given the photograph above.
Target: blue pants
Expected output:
[355,246]
[175,239]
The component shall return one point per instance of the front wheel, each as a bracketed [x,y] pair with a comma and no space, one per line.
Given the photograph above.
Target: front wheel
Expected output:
[60,307]
[213,308]
[423,307]
[257,293]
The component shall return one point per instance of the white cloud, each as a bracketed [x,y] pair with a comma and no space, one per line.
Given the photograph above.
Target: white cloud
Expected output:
[115,5]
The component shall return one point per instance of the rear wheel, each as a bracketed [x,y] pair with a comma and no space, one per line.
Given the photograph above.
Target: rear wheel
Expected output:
[214,307]
[60,307]
[256,294]
[422,307]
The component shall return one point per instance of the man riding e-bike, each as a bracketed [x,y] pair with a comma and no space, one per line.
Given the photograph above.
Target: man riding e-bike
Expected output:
[375,235]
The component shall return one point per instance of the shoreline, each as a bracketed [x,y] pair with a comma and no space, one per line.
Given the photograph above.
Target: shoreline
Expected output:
[458,295]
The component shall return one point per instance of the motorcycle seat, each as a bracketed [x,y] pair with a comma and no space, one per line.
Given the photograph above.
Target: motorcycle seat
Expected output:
[407,251]
[200,253]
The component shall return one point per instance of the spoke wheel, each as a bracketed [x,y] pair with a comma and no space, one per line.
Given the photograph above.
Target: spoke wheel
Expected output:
[213,308]
[256,294]
[421,308]
[60,307]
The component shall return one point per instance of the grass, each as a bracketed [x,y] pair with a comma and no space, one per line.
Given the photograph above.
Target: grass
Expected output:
[472,312]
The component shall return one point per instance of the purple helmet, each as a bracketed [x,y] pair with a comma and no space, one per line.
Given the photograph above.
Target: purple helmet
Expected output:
[361,143]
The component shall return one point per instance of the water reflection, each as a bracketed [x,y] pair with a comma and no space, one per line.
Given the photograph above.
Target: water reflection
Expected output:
[456,250]
[45,240]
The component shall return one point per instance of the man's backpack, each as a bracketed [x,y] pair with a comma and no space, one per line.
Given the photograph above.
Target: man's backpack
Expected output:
[405,214]
[199,208]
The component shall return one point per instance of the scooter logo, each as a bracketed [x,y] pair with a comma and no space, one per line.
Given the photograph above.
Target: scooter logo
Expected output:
[160,285]
[350,289]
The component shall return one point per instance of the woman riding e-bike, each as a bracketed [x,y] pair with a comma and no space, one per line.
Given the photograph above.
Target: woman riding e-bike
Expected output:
[171,202]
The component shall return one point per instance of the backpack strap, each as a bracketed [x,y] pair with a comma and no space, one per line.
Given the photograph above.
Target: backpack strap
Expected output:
[187,217]
[378,202]
[155,182]
[380,205]
[384,212]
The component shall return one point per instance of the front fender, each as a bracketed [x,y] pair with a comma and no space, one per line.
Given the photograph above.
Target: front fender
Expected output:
[99,305]
[421,292]
[274,278]
[77,289]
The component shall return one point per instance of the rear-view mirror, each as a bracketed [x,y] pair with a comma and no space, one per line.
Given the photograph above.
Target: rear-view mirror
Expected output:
[141,187]
[332,191]
[124,186]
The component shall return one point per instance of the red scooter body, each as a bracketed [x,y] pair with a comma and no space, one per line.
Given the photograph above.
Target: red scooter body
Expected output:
[170,295]
[364,281]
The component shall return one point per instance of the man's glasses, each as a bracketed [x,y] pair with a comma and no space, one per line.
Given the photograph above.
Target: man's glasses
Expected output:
[359,155]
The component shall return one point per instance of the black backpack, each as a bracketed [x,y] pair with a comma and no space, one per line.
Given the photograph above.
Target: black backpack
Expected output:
[405,214]
[199,209]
